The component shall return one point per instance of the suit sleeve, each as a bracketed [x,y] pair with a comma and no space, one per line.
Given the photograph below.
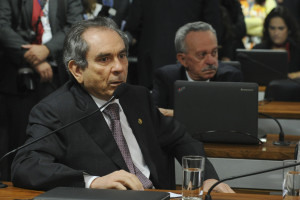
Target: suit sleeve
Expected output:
[160,90]
[184,145]
[10,40]
[176,141]
[39,165]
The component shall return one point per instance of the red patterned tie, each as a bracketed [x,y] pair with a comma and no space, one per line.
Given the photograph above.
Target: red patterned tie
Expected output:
[36,23]
[112,110]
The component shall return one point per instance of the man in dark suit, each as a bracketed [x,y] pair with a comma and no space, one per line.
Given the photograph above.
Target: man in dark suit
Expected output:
[86,154]
[32,44]
[197,52]
[119,11]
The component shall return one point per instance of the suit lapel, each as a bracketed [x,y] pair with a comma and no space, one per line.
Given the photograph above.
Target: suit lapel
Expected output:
[135,120]
[183,73]
[98,129]
[53,11]
[27,11]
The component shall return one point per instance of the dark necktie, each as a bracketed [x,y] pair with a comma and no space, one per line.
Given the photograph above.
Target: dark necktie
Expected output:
[112,110]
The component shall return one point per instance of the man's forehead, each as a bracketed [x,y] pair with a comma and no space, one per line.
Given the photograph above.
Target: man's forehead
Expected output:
[207,33]
[201,41]
[100,34]
[103,41]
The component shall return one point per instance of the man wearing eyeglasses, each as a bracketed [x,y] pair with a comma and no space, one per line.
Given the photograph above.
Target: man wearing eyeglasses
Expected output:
[197,54]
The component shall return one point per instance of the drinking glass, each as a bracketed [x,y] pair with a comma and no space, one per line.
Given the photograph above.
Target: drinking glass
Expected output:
[193,170]
[292,186]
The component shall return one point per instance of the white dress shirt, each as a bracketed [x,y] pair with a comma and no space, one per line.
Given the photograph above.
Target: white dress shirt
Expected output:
[134,149]
[190,79]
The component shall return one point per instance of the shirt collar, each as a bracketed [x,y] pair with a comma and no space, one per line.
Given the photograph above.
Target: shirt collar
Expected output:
[101,102]
[190,79]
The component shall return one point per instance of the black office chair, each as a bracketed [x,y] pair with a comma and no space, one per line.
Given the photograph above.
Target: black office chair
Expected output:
[234,63]
[283,90]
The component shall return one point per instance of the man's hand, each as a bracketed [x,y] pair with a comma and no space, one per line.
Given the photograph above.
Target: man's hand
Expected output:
[36,53]
[221,188]
[167,112]
[45,71]
[293,75]
[120,180]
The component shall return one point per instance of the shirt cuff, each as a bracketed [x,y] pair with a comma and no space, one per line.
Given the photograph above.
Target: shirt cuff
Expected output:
[88,179]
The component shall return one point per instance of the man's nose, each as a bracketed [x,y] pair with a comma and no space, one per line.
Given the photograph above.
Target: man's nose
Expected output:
[209,59]
[118,65]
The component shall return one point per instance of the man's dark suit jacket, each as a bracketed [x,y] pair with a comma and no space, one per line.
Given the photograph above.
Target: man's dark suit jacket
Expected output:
[88,146]
[165,77]
[15,26]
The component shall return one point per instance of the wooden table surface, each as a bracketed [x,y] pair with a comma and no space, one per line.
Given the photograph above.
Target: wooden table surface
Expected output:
[266,151]
[280,109]
[14,193]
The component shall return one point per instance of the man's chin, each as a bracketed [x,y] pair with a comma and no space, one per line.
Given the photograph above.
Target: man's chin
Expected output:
[209,75]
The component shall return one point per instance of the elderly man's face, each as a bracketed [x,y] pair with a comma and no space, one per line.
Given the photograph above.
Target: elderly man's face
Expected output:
[107,63]
[201,58]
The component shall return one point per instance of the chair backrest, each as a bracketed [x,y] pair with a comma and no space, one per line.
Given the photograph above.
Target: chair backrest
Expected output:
[233,63]
[283,90]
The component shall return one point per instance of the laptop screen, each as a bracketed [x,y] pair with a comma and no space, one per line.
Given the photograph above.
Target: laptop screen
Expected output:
[225,112]
[263,65]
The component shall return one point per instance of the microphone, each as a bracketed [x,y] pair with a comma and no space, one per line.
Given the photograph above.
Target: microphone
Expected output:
[208,197]
[119,91]
[281,141]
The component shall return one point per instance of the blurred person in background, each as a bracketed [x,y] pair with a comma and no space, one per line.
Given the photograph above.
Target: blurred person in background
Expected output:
[115,9]
[197,54]
[282,32]
[233,31]
[32,33]
[255,12]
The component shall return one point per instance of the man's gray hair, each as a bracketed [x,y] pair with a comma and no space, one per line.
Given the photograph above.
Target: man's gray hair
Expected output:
[181,33]
[76,48]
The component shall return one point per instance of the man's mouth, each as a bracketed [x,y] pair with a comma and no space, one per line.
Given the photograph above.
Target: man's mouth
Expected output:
[116,83]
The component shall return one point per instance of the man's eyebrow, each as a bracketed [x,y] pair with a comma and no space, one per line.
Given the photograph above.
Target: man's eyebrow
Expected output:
[108,54]
[123,51]
[103,55]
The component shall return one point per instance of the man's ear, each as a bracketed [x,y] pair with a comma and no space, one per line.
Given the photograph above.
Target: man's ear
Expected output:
[181,58]
[76,71]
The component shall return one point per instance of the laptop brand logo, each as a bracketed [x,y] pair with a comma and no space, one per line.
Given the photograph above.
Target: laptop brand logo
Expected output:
[181,89]
[247,90]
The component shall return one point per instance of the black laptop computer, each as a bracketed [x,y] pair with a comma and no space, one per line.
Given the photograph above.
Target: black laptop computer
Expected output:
[68,193]
[218,112]
[263,65]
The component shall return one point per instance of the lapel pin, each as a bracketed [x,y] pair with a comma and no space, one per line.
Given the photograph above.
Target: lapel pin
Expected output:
[140,121]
